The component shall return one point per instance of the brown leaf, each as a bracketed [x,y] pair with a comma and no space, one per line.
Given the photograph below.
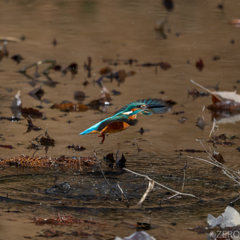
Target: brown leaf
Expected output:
[165,65]
[7,146]
[168,4]
[121,76]
[75,107]
[105,70]
[235,22]
[31,111]
[79,96]
[218,157]
[199,64]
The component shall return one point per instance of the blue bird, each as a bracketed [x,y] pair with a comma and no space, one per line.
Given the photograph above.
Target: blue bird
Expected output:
[122,118]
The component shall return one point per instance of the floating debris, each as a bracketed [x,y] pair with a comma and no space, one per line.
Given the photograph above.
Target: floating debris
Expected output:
[48,162]
[77,147]
[63,220]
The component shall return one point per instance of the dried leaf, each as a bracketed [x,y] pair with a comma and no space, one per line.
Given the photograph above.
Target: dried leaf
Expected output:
[105,70]
[37,93]
[79,96]
[122,162]
[182,120]
[31,111]
[218,157]
[48,162]
[7,146]
[165,65]
[201,123]
[199,64]
[168,4]
[77,147]
[54,42]
[17,58]
[235,22]
[75,107]
[233,96]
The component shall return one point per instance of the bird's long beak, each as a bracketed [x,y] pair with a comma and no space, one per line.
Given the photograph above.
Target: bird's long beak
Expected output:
[155,106]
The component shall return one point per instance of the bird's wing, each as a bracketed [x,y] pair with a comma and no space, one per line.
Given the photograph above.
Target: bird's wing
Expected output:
[149,101]
[101,125]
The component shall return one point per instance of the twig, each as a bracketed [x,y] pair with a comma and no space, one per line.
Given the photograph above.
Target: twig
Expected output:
[99,164]
[139,149]
[207,90]
[234,175]
[184,174]
[149,189]
[213,127]
[169,189]
[123,194]
[235,200]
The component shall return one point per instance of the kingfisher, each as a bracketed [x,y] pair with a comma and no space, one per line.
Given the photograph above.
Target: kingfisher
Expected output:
[121,120]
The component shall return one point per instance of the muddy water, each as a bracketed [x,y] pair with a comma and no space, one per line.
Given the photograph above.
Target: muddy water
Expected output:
[117,30]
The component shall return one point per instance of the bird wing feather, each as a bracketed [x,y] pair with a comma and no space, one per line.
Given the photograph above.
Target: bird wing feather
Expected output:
[101,125]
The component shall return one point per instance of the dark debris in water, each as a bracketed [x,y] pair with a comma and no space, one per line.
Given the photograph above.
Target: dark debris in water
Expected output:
[76,147]
[189,150]
[64,220]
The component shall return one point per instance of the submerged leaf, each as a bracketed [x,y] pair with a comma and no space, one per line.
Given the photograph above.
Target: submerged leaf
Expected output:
[199,64]
[75,107]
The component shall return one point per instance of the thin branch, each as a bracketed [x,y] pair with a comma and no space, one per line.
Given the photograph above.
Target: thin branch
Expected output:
[149,189]
[99,164]
[169,189]
[123,194]
[207,90]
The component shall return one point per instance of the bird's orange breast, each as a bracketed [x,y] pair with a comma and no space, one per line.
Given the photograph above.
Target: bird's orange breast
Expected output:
[115,127]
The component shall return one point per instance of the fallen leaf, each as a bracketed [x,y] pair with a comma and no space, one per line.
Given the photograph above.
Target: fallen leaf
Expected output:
[79,96]
[199,64]
[68,107]
[7,146]
[105,70]
[54,42]
[201,123]
[165,65]
[77,147]
[168,4]
[182,120]
[37,93]
[31,111]
[235,22]
[122,162]
[215,58]
[17,58]
[115,92]
[218,157]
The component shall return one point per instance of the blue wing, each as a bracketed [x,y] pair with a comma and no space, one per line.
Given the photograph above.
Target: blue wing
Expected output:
[164,107]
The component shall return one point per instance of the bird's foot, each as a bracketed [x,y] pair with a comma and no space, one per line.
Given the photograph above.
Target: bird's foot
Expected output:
[103,137]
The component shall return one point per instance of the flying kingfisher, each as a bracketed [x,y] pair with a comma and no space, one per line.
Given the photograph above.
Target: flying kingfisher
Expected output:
[122,118]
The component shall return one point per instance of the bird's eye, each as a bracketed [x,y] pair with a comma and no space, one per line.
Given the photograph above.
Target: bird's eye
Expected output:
[139,106]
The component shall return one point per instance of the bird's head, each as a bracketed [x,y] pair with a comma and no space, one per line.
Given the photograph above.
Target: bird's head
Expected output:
[146,107]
